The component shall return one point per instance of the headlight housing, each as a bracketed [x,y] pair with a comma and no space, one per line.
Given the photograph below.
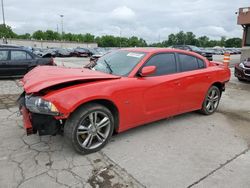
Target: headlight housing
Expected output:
[241,65]
[38,105]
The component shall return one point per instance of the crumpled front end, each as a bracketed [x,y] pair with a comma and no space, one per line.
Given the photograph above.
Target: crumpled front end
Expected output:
[34,121]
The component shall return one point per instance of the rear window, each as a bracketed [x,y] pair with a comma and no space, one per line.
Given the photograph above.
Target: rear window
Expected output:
[3,55]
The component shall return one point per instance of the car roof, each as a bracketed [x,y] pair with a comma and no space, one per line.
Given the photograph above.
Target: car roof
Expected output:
[149,50]
[156,50]
[159,50]
[12,48]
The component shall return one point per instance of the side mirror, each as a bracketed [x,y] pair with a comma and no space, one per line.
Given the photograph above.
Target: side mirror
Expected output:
[146,71]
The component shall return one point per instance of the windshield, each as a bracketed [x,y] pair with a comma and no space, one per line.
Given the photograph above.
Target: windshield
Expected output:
[119,62]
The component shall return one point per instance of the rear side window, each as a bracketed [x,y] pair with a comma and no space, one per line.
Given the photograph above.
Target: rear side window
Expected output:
[3,55]
[188,62]
[19,55]
[201,63]
[165,64]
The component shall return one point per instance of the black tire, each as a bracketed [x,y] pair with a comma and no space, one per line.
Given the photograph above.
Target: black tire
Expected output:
[82,116]
[207,108]
[240,79]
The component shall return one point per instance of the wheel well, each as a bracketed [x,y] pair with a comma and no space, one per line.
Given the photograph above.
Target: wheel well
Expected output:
[220,85]
[111,106]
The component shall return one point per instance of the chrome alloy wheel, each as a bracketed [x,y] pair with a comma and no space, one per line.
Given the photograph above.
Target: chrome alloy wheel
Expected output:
[212,100]
[93,130]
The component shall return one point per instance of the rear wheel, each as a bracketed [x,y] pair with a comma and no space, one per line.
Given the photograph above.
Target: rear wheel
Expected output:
[89,128]
[211,101]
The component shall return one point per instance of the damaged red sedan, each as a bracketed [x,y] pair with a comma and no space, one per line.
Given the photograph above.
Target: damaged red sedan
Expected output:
[122,90]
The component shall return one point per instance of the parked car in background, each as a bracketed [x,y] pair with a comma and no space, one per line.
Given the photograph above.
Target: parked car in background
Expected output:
[123,89]
[18,61]
[242,70]
[63,52]
[208,55]
[47,52]
[97,53]
[81,52]
[214,51]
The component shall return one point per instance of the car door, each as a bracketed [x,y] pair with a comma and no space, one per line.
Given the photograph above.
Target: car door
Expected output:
[160,97]
[4,60]
[194,82]
[20,61]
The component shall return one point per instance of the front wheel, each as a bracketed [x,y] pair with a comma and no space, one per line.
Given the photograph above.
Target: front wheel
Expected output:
[211,101]
[89,128]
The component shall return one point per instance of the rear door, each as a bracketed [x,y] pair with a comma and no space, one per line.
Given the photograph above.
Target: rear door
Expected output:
[20,61]
[4,60]
[195,81]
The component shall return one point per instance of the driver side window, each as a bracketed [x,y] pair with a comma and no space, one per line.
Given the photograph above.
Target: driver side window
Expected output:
[165,64]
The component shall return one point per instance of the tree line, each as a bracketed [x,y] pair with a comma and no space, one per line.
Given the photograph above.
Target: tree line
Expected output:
[179,38]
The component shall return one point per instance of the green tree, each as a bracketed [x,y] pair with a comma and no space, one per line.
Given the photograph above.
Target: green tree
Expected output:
[89,38]
[6,32]
[233,42]
[51,35]
[172,40]
[222,41]
[180,38]
[108,41]
[24,36]
[39,35]
[190,38]
[202,41]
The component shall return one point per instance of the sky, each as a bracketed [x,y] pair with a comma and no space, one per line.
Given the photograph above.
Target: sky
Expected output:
[152,20]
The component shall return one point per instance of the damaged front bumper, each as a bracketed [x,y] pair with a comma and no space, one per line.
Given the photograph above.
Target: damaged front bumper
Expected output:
[38,123]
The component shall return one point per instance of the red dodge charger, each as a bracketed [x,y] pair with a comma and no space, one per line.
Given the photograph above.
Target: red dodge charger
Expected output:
[122,90]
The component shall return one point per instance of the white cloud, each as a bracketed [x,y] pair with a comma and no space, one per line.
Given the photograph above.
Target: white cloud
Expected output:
[123,13]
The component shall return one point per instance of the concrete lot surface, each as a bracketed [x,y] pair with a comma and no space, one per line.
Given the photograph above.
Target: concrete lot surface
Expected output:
[190,150]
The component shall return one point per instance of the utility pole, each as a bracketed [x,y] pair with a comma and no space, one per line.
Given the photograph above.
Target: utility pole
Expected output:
[62,23]
[3,13]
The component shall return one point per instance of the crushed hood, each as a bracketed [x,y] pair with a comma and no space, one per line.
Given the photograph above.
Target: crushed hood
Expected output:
[43,77]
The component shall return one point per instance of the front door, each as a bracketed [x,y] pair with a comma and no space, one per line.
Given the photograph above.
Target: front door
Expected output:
[161,96]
